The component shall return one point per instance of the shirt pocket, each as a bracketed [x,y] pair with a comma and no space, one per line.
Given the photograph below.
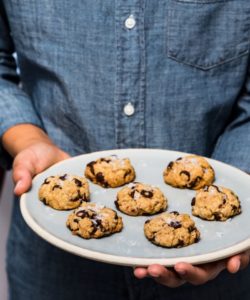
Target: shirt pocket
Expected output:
[207,33]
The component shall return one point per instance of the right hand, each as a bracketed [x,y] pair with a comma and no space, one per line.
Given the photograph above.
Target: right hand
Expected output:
[33,152]
[33,160]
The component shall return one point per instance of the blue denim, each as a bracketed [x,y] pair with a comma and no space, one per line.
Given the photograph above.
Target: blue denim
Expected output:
[184,67]
[40,271]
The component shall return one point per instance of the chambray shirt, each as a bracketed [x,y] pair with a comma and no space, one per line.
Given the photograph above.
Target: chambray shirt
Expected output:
[96,75]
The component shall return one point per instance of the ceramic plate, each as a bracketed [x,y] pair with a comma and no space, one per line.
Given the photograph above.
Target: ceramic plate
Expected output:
[130,247]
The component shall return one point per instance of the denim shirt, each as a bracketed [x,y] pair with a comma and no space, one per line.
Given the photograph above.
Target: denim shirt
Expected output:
[171,74]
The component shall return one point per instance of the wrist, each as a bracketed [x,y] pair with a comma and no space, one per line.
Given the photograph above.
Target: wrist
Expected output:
[22,136]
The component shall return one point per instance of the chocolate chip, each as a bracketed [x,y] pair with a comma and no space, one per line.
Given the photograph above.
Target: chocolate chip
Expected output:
[194,183]
[46,181]
[180,243]
[77,182]
[132,194]
[217,216]
[56,187]
[147,221]
[179,158]
[174,212]
[63,177]
[234,208]
[74,199]
[105,159]
[77,198]
[193,201]
[116,204]
[128,172]
[185,173]
[82,214]
[175,224]
[197,239]
[147,194]
[100,177]
[85,198]
[97,223]
[190,229]
[76,220]
[44,201]
[90,165]
[170,165]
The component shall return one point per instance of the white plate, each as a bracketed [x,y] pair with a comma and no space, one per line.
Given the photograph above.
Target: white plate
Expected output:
[130,247]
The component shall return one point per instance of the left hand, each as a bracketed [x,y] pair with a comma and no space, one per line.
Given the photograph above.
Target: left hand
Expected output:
[196,275]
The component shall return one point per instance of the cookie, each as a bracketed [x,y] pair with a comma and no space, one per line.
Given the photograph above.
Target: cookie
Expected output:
[137,199]
[110,171]
[64,192]
[91,220]
[191,172]
[171,230]
[215,203]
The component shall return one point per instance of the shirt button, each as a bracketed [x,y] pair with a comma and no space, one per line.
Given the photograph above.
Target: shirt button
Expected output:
[130,22]
[129,109]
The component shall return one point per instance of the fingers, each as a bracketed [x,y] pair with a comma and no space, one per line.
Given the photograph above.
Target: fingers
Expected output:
[233,264]
[245,259]
[237,262]
[165,276]
[161,275]
[32,161]
[140,273]
[196,275]
[23,172]
[199,274]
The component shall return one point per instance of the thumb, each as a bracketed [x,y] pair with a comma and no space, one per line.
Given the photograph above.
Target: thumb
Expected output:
[23,173]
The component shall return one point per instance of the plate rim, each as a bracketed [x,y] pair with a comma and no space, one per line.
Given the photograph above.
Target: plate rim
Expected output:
[128,260]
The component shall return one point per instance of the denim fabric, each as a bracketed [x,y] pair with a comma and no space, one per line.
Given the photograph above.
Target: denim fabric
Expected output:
[40,271]
[184,67]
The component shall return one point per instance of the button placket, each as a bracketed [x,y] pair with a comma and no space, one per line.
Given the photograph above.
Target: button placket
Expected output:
[129,93]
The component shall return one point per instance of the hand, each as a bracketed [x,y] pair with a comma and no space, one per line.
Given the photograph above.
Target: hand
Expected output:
[32,161]
[33,152]
[196,275]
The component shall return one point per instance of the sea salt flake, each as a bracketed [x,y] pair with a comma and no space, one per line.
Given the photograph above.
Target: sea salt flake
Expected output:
[136,195]
[219,234]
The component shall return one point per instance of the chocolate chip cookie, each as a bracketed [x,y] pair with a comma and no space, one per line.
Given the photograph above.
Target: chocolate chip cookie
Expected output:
[91,220]
[171,230]
[137,199]
[215,203]
[64,192]
[110,171]
[191,172]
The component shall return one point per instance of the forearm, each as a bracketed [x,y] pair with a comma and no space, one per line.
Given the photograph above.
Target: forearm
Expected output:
[16,106]
[20,137]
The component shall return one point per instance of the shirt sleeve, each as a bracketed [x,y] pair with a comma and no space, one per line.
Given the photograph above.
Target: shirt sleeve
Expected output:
[233,146]
[15,105]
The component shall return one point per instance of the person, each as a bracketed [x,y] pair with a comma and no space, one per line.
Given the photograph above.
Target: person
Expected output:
[95,75]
